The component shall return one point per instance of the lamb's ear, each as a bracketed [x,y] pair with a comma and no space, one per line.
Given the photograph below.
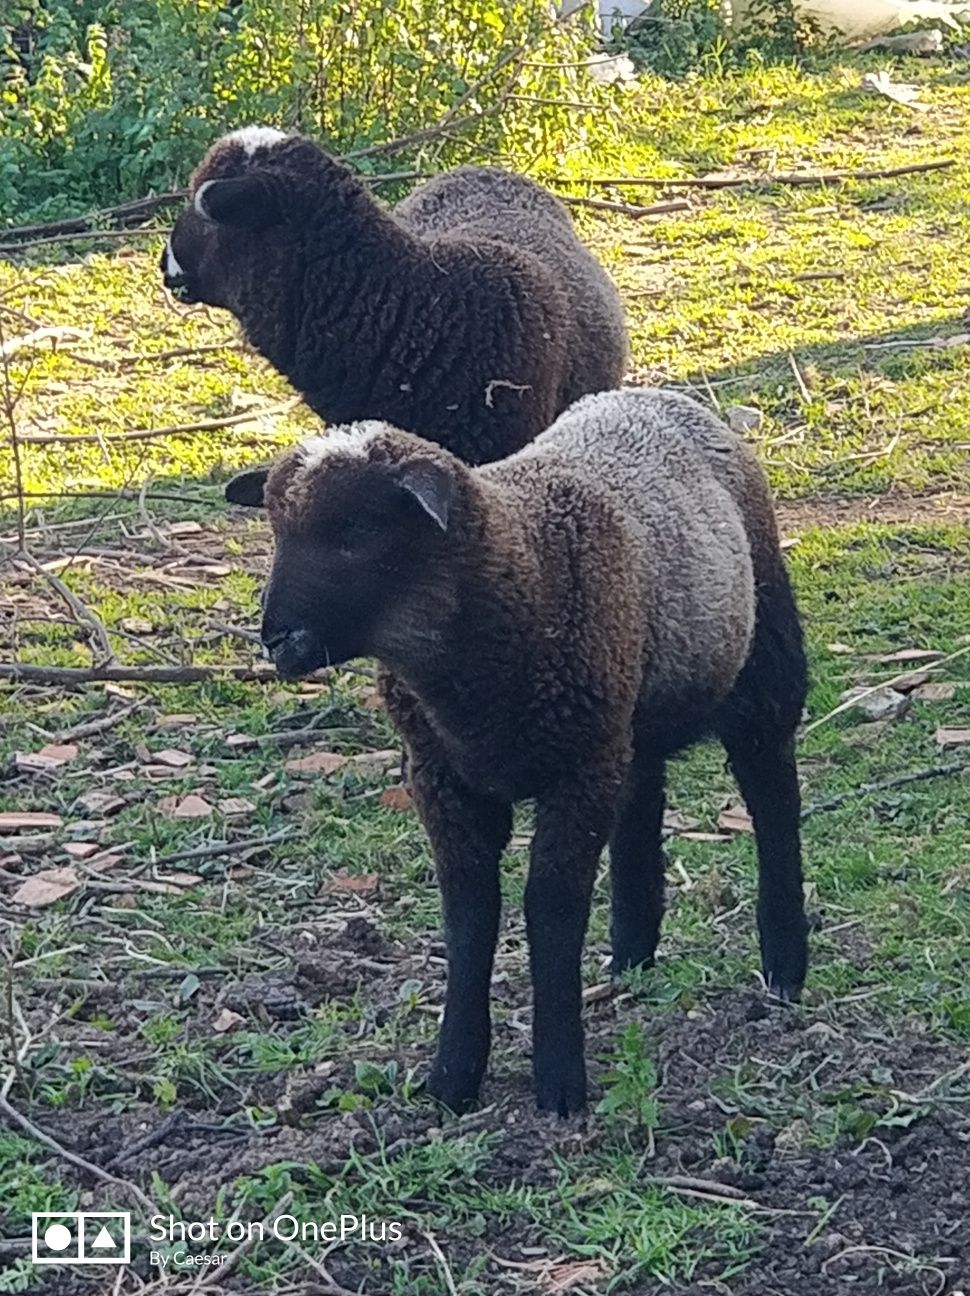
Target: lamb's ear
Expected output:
[246,488]
[249,201]
[432,485]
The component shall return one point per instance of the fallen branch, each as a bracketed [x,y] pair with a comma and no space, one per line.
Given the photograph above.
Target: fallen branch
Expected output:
[80,609]
[211,849]
[92,728]
[778,178]
[629,209]
[70,676]
[176,429]
[82,235]
[47,1141]
[884,785]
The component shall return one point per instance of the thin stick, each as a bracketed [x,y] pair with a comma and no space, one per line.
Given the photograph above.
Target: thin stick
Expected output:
[782,178]
[803,391]
[177,429]
[69,676]
[233,1257]
[896,679]
[94,494]
[140,231]
[80,609]
[223,848]
[442,1260]
[629,209]
[883,785]
[81,1162]
[10,415]
[72,226]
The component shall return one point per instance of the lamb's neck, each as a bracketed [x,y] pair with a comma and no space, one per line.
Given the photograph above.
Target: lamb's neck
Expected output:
[355,299]
[478,659]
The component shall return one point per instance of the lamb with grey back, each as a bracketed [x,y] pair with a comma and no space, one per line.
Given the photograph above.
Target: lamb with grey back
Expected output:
[470,314]
[554,627]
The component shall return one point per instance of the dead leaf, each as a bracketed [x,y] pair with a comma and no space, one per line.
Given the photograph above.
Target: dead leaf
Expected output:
[187,807]
[678,822]
[905,655]
[101,803]
[238,740]
[357,883]
[909,683]
[735,820]
[705,836]
[952,735]
[936,692]
[235,807]
[597,993]
[119,691]
[136,625]
[180,880]
[50,757]
[81,849]
[371,699]
[376,762]
[227,1020]
[396,798]
[175,759]
[28,820]
[568,1276]
[176,720]
[324,762]
[183,528]
[46,887]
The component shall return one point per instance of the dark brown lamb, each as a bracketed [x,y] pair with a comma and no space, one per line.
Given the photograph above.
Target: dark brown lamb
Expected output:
[471,314]
[554,626]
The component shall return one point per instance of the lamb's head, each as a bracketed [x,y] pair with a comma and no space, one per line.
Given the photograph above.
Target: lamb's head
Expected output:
[252,203]
[364,521]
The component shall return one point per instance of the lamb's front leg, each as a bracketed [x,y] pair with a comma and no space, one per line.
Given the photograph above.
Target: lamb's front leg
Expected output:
[571,830]
[468,833]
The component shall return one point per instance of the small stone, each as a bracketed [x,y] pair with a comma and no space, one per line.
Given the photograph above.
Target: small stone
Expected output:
[742,419]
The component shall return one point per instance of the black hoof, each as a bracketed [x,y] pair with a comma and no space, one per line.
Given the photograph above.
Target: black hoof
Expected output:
[563,1094]
[457,1094]
[626,961]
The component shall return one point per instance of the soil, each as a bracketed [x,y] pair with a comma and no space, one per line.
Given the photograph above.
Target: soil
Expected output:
[839,1212]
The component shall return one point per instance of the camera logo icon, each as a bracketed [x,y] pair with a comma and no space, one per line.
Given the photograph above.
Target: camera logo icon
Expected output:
[81,1237]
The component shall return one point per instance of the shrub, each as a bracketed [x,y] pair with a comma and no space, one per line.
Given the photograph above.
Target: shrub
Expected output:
[106,100]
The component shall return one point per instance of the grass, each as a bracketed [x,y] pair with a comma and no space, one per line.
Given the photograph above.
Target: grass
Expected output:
[324,948]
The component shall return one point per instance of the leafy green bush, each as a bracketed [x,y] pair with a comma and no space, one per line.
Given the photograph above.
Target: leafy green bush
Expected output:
[674,36]
[105,100]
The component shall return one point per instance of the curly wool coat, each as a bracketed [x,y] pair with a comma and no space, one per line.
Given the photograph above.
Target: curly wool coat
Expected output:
[555,626]
[471,314]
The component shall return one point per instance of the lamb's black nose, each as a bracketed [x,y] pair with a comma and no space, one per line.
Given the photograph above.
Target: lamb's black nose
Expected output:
[294,652]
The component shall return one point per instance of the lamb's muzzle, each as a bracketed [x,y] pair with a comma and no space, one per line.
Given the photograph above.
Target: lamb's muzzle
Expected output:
[554,627]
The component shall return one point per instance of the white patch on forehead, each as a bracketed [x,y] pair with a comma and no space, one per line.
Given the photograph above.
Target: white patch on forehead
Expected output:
[351,442]
[256,137]
[172,267]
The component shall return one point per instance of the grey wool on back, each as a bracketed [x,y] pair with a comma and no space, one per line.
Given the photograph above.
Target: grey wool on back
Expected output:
[553,627]
[471,314]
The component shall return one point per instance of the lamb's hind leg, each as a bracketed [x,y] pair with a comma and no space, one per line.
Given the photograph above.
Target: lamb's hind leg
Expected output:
[757,726]
[637,867]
